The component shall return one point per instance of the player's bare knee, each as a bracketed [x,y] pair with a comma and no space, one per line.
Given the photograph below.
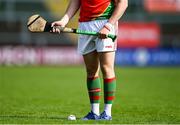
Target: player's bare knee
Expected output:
[107,71]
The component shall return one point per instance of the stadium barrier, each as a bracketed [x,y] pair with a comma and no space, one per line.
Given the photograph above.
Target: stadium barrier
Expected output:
[21,55]
[139,34]
[162,6]
[148,57]
[39,56]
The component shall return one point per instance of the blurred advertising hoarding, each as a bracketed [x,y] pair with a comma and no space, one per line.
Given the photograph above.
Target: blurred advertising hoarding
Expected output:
[148,57]
[164,6]
[68,56]
[39,56]
[138,34]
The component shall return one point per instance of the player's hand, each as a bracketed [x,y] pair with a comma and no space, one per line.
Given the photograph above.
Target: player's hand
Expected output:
[54,26]
[62,23]
[103,33]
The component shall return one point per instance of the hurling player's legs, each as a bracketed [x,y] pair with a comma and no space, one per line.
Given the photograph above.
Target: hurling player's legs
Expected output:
[87,48]
[107,67]
[93,82]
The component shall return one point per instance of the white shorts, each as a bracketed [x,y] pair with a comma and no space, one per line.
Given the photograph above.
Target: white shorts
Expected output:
[87,43]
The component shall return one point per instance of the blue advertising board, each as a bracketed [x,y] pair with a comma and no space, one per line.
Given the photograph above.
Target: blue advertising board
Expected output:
[148,57]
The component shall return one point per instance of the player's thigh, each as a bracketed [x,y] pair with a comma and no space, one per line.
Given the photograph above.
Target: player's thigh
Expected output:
[91,61]
[107,63]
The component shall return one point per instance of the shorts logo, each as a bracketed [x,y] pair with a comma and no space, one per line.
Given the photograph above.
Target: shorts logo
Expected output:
[109,47]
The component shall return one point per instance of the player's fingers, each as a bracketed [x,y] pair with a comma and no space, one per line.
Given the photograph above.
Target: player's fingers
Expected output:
[56,24]
[53,30]
[56,30]
[53,24]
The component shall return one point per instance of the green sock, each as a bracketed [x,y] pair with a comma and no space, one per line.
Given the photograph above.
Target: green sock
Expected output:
[109,90]
[94,89]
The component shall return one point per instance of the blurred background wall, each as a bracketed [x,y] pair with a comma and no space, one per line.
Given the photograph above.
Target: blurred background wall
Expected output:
[149,34]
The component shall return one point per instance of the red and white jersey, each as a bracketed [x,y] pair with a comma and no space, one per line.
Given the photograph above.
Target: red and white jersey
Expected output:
[95,10]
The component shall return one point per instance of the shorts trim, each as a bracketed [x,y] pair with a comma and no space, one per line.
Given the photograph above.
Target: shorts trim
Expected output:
[101,51]
[87,52]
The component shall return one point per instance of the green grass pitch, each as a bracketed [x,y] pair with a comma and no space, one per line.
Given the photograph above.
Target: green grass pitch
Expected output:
[49,94]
